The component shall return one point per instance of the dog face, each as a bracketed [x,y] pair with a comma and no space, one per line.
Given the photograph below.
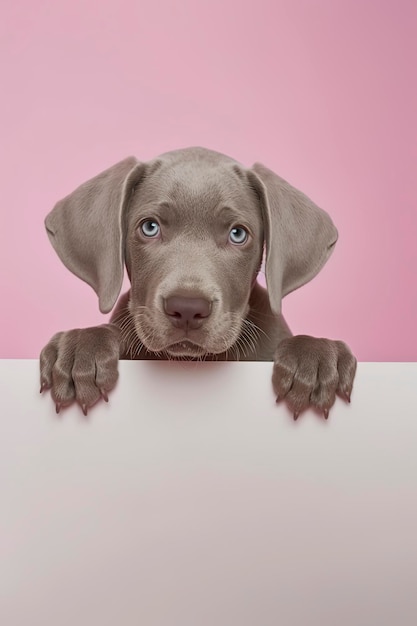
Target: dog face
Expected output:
[193,250]
[190,227]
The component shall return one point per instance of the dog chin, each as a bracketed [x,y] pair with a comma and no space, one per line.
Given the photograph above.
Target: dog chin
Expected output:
[185,349]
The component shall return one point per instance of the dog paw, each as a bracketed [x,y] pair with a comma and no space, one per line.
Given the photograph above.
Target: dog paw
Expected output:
[309,372]
[81,365]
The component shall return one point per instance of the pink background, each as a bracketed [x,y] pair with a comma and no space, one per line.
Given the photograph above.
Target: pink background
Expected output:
[324,92]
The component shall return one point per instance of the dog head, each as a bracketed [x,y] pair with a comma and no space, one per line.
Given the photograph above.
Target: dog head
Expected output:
[190,226]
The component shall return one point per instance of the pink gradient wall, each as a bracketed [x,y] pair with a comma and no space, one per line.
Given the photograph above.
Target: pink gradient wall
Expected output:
[324,92]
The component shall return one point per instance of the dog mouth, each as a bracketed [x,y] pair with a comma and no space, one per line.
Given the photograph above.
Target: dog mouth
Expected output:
[185,348]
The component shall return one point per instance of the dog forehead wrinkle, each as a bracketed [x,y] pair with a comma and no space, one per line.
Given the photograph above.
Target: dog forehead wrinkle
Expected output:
[194,188]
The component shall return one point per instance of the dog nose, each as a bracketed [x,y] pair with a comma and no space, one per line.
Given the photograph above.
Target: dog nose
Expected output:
[187,312]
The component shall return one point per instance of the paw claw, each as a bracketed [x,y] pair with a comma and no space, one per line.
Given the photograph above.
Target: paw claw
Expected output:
[296,415]
[44,385]
[104,395]
[84,409]
[58,407]
[326,414]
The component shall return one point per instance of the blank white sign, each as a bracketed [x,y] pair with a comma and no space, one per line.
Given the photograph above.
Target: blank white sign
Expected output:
[192,499]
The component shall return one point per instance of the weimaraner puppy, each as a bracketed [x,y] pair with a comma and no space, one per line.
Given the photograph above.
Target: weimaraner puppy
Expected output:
[191,226]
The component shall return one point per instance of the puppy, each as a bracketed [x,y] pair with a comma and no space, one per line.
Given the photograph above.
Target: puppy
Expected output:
[190,227]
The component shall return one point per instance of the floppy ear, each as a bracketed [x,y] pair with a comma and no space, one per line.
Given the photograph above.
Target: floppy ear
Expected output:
[299,235]
[86,229]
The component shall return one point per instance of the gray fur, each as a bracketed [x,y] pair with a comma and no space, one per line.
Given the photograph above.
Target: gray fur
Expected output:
[194,292]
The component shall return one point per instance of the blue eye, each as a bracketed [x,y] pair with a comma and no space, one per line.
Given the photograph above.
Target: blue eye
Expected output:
[238,235]
[150,228]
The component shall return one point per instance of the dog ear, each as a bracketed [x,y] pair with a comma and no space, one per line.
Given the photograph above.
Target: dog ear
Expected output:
[86,229]
[299,236]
